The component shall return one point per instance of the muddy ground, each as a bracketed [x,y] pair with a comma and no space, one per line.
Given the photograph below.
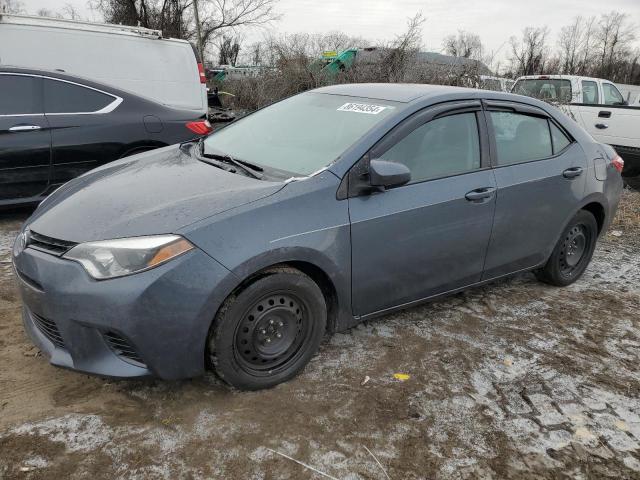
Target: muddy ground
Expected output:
[511,380]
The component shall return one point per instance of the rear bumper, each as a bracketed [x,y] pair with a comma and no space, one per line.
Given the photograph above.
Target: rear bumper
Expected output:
[152,323]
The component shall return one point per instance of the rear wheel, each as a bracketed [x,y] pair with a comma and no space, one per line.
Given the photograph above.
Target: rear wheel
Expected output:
[572,253]
[268,332]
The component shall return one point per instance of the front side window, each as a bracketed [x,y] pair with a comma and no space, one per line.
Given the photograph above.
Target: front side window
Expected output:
[590,93]
[611,95]
[520,138]
[301,134]
[64,97]
[20,95]
[442,147]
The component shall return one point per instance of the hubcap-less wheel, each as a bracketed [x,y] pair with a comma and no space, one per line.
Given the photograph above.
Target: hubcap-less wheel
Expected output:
[271,333]
[573,249]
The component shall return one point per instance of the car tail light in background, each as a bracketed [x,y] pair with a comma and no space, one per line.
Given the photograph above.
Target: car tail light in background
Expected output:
[203,75]
[618,163]
[201,127]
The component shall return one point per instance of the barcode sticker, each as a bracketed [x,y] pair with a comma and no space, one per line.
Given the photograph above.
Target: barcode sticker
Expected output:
[362,108]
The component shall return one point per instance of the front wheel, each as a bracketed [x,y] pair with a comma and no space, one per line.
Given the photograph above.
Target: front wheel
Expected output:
[268,332]
[573,251]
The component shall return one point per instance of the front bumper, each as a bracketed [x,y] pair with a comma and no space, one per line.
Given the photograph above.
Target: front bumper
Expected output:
[152,323]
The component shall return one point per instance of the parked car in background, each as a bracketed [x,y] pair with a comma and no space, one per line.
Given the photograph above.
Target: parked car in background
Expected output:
[497,84]
[134,59]
[238,252]
[54,127]
[597,105]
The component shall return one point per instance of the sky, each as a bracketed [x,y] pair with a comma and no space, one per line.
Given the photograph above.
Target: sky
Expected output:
[494,20]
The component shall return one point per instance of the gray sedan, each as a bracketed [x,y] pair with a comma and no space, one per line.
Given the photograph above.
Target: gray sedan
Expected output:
[239,252]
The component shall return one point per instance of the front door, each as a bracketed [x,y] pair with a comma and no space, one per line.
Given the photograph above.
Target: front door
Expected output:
[431,235]
[25,138]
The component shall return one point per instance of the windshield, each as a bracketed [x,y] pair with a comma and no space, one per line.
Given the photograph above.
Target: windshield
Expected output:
[491,84]
[301,134]
[545,89]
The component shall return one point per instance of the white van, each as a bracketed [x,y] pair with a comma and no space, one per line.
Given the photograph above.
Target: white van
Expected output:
[130,58]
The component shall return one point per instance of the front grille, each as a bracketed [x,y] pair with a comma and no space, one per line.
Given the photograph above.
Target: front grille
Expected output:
[49,329]
[49,245]
[123,348]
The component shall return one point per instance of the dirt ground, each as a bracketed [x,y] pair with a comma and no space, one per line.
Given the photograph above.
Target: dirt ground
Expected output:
[514,380]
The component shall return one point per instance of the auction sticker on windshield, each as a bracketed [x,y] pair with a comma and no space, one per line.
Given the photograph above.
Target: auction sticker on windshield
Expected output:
[362,108]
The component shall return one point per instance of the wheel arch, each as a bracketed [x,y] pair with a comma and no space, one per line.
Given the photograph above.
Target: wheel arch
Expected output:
[313,271]
[598,211]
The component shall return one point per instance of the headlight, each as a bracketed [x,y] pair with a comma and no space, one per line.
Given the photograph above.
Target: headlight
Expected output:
[124,256]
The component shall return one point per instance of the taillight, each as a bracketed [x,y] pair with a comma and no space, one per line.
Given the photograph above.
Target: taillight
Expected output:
[201,127]
[203,75]
[618,163]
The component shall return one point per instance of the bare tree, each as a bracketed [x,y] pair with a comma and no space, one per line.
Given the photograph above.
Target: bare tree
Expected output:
[465,44]
[530,54]
[571,43]
[403,48]
[228,50]
[219,16]
[176,19]
[12,6]
[70,12]
[614,36]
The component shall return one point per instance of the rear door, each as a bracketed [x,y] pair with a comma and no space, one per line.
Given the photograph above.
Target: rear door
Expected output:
[540,173]
[85,130]
[25,138]
[431,235]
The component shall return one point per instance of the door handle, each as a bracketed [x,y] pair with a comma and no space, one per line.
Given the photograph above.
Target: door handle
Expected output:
[480,194]
[602,126]
[25,128]
[604,114]
[572,172]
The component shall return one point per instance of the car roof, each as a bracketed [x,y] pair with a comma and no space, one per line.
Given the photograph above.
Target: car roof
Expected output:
[57,74]
[393,92]
[76,79]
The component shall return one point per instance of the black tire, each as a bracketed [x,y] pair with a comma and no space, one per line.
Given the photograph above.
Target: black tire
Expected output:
[572,253]
[267,333]
[632,182]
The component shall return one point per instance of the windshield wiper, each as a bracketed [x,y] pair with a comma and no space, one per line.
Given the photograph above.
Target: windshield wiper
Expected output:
[247,167]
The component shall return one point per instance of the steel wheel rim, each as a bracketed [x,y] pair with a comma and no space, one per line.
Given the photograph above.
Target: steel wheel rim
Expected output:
[272,333]
[574,249]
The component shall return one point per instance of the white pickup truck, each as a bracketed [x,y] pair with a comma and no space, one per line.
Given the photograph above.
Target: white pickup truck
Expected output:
[595,104]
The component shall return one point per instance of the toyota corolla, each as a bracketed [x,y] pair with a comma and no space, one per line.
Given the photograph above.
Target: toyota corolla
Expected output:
[239,252]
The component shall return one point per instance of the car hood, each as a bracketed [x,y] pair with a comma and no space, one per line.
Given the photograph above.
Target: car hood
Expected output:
[155,192]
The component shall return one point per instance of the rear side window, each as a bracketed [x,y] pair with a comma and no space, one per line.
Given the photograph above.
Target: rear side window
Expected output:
[520,138]
[557,90]
[560,140]
[442,147]
[590,92]
[63,97]
[611,95]
[20,95]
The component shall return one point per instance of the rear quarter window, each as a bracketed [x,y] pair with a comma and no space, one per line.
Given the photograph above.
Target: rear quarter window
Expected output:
[64,97]
[560,140]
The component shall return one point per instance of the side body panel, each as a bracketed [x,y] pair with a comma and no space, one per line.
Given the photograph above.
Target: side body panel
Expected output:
[304,222]
[419,240]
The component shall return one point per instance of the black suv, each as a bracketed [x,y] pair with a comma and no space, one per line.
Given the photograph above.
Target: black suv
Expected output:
[54,127]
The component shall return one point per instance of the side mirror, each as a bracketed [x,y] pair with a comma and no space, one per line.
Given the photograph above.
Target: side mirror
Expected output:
[388,174]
